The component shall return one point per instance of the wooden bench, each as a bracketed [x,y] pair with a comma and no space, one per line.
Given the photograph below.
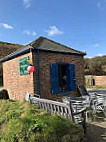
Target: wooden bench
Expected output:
[82,90]
[66,110]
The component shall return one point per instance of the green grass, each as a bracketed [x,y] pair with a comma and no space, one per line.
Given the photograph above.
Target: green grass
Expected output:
[95,87]
[24,122]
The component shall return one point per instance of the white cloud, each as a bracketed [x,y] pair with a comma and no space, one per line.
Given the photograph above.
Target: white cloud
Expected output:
[34,33]
[96,45]
[98,4]
[100,55]
[88,57]
[101,4]
[28,32]
[53,30]
[6,26]
[27,3]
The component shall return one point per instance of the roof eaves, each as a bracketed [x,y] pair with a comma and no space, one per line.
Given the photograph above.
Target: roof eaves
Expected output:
[11,56]
[62,52]
[35,44]
[42,38]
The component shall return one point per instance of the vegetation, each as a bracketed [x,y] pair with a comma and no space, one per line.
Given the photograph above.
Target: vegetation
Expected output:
[24,122]
[95,66]
[4,94]
[6,49]
[6,43]
[94,87]
[1,76]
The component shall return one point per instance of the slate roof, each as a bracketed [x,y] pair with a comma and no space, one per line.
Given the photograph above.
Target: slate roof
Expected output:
[44,44]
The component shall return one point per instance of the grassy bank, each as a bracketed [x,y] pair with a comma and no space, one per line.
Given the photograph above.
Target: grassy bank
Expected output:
[95,87]
[24,122]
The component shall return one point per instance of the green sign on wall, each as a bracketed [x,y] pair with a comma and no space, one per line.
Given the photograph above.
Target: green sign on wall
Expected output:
[23,65]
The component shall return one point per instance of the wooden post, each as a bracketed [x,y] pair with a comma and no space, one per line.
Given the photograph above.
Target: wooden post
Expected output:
[84,121]
[70,111]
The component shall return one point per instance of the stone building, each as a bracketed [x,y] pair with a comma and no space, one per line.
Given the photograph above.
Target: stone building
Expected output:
[95,81]
[58,70]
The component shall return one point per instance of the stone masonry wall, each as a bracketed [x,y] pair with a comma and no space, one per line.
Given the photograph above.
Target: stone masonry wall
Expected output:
[100,81]
[15,83]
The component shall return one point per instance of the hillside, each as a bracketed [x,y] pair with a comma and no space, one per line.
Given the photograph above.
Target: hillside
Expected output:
[24,122]
[6,49]
[95,66]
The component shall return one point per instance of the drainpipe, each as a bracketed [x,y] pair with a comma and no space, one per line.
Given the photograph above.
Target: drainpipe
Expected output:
[38,73]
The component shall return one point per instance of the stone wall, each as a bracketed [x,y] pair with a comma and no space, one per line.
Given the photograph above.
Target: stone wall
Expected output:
[100,81]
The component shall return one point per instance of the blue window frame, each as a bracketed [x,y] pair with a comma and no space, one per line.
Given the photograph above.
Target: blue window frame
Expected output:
[62,78]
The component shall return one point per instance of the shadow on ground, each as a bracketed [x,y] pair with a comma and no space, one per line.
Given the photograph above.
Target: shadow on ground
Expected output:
[95,133]
[96,129]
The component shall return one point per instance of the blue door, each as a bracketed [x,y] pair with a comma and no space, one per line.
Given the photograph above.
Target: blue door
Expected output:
[54,78]
[71,77]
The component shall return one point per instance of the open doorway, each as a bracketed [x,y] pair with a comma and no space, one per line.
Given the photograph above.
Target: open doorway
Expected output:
[92,82]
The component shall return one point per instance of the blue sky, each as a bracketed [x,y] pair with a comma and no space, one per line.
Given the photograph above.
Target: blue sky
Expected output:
[80,24]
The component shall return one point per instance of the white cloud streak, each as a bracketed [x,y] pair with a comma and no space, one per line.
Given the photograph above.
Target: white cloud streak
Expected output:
[88,57]
[100,55]
[28,32]
[101,4]
[53,30]
[27,3]
[34,33]
[98,4]
[6,26]
[96,45]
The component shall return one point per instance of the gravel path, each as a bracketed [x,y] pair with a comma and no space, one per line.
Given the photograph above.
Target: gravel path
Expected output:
[96,132]
[96,126]
[1,88]
[97,91]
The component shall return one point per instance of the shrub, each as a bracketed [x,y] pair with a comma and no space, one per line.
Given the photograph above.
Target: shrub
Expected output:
[4,94]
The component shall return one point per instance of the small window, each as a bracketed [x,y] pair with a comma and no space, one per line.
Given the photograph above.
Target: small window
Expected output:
[62,76]
[93,82]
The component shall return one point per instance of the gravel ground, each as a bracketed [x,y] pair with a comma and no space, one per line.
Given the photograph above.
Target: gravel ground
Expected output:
[1,88]
[96,132]
[97,91]
[96,126]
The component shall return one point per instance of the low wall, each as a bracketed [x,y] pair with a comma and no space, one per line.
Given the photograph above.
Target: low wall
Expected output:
[100,81]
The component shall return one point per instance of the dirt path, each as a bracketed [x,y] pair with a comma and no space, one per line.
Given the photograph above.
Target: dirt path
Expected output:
[97,91]
[96,126]
[96,131]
